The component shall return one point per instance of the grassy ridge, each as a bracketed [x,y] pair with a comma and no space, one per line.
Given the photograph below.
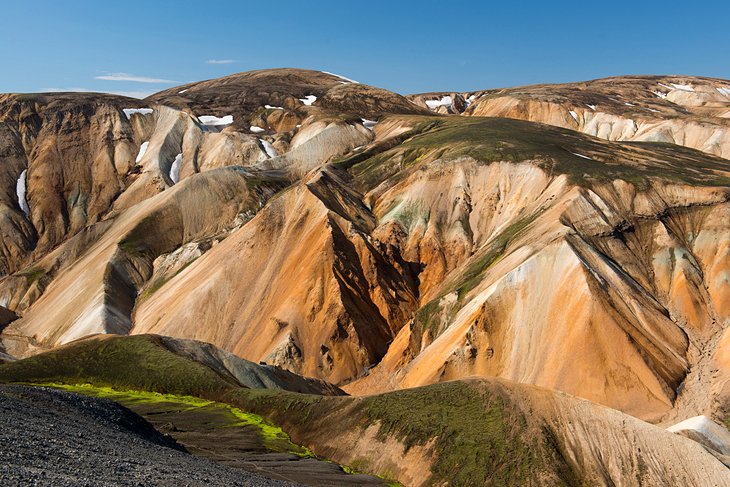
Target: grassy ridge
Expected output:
[472,433]
[137,362]
[584,159]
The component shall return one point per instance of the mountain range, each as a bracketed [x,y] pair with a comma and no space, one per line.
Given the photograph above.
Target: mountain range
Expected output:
[549,265]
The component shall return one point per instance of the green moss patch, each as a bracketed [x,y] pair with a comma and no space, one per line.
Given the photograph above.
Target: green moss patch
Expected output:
[273,437]
[478,439]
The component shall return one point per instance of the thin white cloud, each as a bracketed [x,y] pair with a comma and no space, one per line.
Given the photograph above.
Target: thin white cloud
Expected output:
[131,77]
[130,94]
[221,61]
[66,90]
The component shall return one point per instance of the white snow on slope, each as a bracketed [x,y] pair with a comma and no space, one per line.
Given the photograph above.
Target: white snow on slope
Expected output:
[175,168]
[683,87]
[341,77]
[270,151]
[592,107]
[142,150]
[715,434]
[256,129]
[271,107]
[665,86]
[20,190]
[309,99]
[629,104]
[660,94]
[368,124]
[131,111]
[183,91]
[443,102]
[724,90]
[574,115]
[214,121]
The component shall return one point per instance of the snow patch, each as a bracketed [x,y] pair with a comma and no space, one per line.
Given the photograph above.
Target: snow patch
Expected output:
[715,434]
[682,87]
[183,91]
[348,80]
[368,124]
[660,94]
[308,100]
[214,121]
[131,111]
[21,189]
[724,90]
[665,86]
[652,110]
[271,107]
[574,115]
[175,168]
[270,151]
[592,107]
[443,102]
[629,104]
[256,129]
[142,150]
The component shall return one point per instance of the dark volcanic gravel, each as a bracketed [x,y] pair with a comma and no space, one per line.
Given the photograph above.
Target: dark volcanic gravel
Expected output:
[50,437]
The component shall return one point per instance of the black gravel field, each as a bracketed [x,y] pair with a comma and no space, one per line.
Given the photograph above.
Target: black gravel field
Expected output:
[51,437]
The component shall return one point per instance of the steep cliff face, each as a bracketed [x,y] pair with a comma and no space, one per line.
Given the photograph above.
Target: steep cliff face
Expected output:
[385,251]
[301,286]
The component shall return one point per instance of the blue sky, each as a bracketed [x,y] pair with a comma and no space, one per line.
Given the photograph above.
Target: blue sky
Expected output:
[137,47]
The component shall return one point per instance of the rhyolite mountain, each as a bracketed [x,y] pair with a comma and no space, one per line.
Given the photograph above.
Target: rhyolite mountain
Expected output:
[573,237]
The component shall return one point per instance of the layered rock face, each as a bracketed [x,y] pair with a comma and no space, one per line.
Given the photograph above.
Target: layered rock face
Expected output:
[346,233]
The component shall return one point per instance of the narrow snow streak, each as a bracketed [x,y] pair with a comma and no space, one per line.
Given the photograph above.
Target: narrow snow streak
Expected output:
[256,129]
[20,190]
[183,91]
[592,107]
[175,169]
[271,107]
[213,121]
[341,77]
[581,155]
[574,115]
[142,150]
[131,111]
